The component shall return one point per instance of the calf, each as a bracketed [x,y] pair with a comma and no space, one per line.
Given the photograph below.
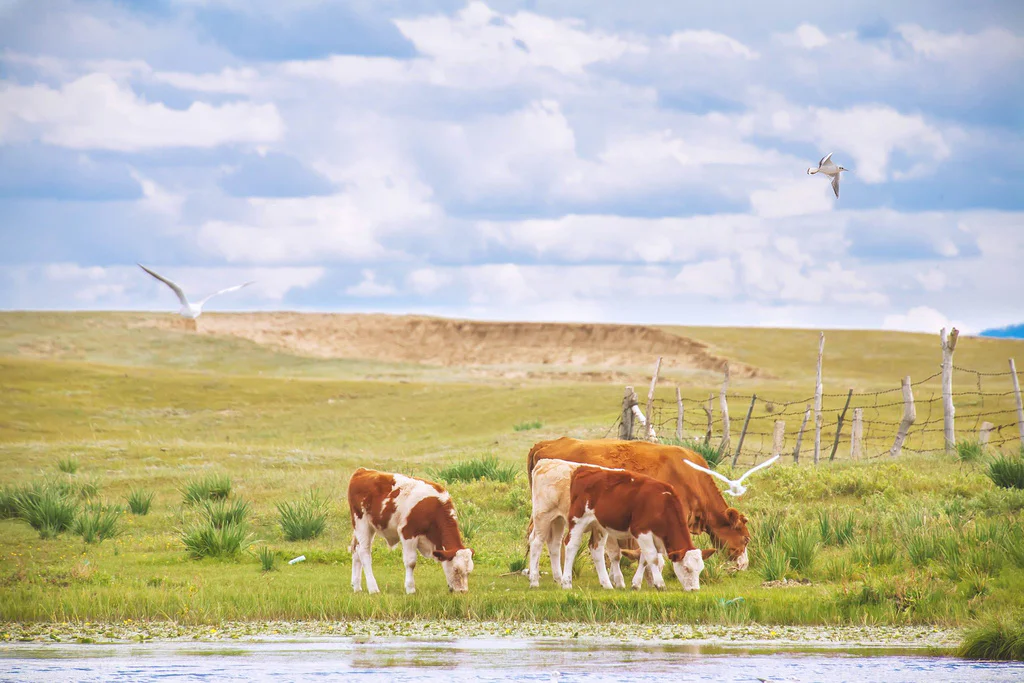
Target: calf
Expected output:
[627,505]
[414,512]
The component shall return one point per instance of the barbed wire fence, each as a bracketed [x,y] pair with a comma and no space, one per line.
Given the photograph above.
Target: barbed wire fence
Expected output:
[953,404]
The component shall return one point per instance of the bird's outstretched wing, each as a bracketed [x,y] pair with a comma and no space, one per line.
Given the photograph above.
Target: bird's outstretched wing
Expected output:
[224,291]
[835,185]
[766,463]
[695,466]
[825,159]
[175,288]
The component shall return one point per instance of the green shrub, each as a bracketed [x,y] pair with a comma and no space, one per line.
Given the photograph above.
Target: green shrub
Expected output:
[210,487]
[527,426]
[1007,471]
[486,467]
[968,451]
[206,540]
[46,509]
[772,562]
[221,513]
[139,501]
[9,502]
[801,546]
[97,523]
[712,454]
[995,640]
[304,519]
[266,557]
[68,465]
[517,565]
[875,551]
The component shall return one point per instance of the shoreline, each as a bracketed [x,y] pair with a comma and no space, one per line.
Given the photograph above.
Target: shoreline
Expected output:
[924,638]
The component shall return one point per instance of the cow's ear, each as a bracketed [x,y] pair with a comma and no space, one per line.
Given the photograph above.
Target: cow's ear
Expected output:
[676,556]
[707,552]
[444,555]
[735,518]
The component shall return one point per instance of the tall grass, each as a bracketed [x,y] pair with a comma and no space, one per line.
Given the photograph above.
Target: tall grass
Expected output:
[1007,471]
[46,509]
[210,487]
[768,526]
[139,501]
[206,540]
[801,546]
[97,523]
[772,562]
[712,454]
[969,451]
[999,639]
[487,467]
[527,426]
[266,557]
[835,529]
[303,519]
[68,465]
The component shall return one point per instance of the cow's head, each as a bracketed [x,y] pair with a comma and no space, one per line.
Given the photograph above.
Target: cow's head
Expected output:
[730,533]
[688,564]
[457,565]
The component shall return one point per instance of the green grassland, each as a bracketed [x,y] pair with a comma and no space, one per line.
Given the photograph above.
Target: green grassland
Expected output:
[919,540]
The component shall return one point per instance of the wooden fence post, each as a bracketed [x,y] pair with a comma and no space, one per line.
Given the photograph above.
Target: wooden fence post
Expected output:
[650,392]
[679,415]
[800,435]
[839,426]
[909,417]
[778,436]
[857,434]
[743,434]
[649,434]
[1016,393]
[948,411]
[725,412]
[626,423]
[818,417]
[985,433]
[708,409]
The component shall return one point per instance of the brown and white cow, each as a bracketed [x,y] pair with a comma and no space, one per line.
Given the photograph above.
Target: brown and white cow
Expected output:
[627,505]
[414,512]
[708,511]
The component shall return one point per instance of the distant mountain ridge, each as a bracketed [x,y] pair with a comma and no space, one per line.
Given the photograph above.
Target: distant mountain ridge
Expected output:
[1008,332]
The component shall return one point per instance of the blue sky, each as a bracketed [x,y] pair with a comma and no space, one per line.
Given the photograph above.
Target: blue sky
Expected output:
[595,161]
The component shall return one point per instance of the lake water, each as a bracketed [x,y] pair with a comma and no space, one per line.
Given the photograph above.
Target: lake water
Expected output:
[481,660]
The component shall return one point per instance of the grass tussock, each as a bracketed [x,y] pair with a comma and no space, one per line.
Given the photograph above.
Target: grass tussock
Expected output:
[527,426]
[68,465]
[969,451]
[210,487]
[772,562]
[712,454]
[487,467]
[999,639]
[801,547]
[267,558]
[206,540]
[47,509]
[139,501]
[304,519]
[97,523]
[221,513]
[1007,471]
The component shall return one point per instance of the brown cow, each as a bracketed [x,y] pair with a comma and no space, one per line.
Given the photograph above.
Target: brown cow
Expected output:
[628,505]
[414,512]
[709,513]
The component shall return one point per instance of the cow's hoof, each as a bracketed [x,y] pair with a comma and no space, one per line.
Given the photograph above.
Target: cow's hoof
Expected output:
[535,584]
[357,589]
[373,591]
[566,586]
[410,591]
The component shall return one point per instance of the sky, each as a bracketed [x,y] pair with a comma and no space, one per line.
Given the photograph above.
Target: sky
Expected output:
[569,161]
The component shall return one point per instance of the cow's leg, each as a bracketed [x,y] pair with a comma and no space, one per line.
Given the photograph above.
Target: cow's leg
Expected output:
[357,565]
[536,546]
[577,528]
[409,550]
[364,539]
[659,568]
[649,558]
[597,541]
[556,531]
[614,559]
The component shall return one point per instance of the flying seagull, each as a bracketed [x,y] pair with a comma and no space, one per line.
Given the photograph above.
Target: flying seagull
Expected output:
[829,168]
[190,310]
[736,488]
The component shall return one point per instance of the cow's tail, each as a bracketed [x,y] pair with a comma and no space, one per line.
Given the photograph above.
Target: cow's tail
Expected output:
[531,460]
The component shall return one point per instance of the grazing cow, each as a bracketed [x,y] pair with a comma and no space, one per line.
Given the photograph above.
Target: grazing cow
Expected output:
[627,505]
[414,512]
[708,511]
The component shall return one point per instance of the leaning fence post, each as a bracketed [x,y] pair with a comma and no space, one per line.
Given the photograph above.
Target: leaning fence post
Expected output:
[708,409]
[1016,393]
[725,411]
[818,417]
[857,434]
[909,416]
[800,435]
[649,434]
[679,415]
[985,432]
[839,426]
[948,411]
[743,434]
[626,423]
[778,436]
[650,392]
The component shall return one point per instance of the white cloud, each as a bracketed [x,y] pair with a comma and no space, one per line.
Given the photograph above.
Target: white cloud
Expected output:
[710,42]
[810,37]
[156,199]
[426,281]
[369,287]
[921,319]
[793,199]
[716,279]
[97,112]
[933,280]
[997,43]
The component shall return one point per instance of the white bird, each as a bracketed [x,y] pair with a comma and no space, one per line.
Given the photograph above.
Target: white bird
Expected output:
[736,488]
[188,309]
[829,168]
